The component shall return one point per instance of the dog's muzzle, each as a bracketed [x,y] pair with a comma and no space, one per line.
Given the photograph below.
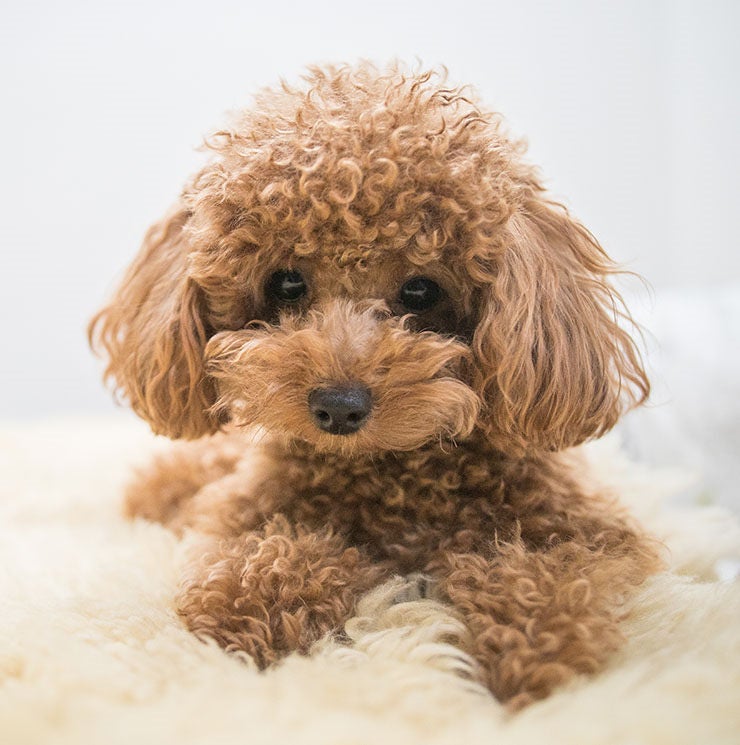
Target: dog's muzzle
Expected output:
[340,410]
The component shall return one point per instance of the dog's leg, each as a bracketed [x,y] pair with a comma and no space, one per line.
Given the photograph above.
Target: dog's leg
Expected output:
[160,490]
[274,591]
[539,617]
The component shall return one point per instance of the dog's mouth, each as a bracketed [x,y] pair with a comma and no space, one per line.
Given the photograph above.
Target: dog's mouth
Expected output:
[344,381]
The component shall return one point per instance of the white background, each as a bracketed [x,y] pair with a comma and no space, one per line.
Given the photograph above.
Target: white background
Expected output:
[631,108]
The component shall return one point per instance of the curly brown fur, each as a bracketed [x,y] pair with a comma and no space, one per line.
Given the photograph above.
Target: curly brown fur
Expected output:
[362,181]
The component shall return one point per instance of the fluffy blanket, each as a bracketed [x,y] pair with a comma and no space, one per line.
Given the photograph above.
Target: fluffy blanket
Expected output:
[92,651]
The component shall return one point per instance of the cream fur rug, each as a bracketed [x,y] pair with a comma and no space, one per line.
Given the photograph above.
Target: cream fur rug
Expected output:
[91,650]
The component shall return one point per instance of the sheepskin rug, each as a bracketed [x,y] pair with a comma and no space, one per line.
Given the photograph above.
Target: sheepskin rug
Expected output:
[91,650]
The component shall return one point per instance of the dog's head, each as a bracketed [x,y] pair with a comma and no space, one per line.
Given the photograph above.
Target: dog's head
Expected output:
[367,264]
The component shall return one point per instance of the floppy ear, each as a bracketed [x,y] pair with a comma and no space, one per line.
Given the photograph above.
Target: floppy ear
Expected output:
[554,365]
[153,332]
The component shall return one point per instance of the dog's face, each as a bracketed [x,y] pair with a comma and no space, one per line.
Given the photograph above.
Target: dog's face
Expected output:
[367,265]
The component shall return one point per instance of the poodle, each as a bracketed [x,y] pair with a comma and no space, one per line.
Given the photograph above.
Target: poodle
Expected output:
[383,338]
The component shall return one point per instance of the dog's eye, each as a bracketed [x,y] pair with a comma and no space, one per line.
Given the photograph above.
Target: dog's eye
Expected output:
[287,286]
[420,294]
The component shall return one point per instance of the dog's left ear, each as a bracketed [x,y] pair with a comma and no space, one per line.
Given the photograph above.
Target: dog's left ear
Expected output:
[553,365]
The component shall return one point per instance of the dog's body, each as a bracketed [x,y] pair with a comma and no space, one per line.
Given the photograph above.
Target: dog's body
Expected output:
[369,273]
[535,566]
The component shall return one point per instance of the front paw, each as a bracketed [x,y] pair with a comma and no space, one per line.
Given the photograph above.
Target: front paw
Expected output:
[275,591]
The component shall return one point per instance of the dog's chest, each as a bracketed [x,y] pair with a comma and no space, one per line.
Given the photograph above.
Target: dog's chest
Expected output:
[408,502]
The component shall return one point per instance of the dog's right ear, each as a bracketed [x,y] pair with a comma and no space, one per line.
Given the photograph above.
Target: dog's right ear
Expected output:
[153,332]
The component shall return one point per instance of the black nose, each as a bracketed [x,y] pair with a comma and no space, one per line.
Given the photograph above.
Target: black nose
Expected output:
[340,410]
